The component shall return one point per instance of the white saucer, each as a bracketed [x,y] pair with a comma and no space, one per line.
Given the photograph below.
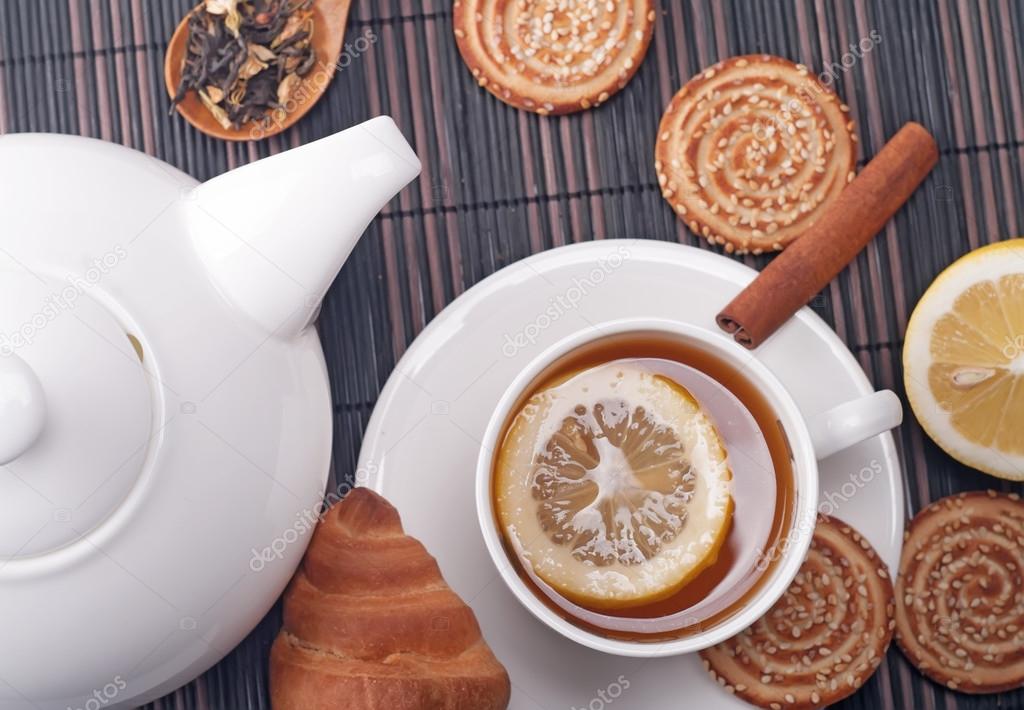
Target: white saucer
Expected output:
[421,445]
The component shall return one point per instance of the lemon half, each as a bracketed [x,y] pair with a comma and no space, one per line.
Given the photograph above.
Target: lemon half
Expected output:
[614,486]
[963,360]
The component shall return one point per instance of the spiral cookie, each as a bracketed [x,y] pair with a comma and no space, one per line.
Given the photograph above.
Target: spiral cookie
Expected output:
[553,56]
[823,638]
[959,599]
[751,150]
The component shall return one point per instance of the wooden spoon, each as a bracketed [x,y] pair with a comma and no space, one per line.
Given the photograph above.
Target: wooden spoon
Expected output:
[329,20]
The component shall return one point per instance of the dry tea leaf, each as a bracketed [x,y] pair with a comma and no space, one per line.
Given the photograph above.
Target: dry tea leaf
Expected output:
[218,113]
[306,65]
[291,29]
[215,93]
[287,87]
[245,58]
[237,94]
[252,67]
[221,7]
[262,53]
[228,8]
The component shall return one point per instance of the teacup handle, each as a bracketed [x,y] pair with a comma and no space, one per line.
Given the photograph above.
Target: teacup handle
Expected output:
[853,422]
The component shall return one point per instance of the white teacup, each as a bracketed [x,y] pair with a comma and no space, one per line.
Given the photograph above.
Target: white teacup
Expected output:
[809,439]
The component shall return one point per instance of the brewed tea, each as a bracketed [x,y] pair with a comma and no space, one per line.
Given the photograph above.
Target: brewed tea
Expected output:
[761,490]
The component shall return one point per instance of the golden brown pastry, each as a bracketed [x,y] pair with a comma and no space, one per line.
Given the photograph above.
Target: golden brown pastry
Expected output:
[826,635]
[959,608]
[370,624]
[553,57]
[752,150]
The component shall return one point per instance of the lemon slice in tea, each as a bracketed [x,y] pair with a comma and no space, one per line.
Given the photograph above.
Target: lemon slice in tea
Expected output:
[963,360]
[613,485]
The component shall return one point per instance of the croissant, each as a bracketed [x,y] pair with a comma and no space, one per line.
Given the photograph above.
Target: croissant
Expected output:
[369,623]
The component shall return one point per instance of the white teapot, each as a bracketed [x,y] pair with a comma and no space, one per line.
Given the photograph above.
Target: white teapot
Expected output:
[165,417]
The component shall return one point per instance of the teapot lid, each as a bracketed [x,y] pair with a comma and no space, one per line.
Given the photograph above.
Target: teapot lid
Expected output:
[76,411]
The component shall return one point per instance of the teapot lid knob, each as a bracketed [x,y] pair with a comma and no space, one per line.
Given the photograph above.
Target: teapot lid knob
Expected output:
[77,410]
[22,407]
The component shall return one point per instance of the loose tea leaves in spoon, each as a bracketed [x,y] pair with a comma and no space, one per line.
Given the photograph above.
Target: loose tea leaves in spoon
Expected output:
[246,58]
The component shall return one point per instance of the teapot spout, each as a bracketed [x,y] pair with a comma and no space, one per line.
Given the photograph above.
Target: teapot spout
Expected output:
[274,234]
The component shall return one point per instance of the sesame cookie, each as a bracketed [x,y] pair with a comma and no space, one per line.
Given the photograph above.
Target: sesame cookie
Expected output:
[553,57]
[751,150]
[959,604]
[823,638]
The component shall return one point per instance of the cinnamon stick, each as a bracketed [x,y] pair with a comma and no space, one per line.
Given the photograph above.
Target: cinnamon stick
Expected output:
[843,230]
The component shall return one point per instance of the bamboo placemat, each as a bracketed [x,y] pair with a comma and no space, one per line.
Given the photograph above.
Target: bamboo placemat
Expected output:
[499,185]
